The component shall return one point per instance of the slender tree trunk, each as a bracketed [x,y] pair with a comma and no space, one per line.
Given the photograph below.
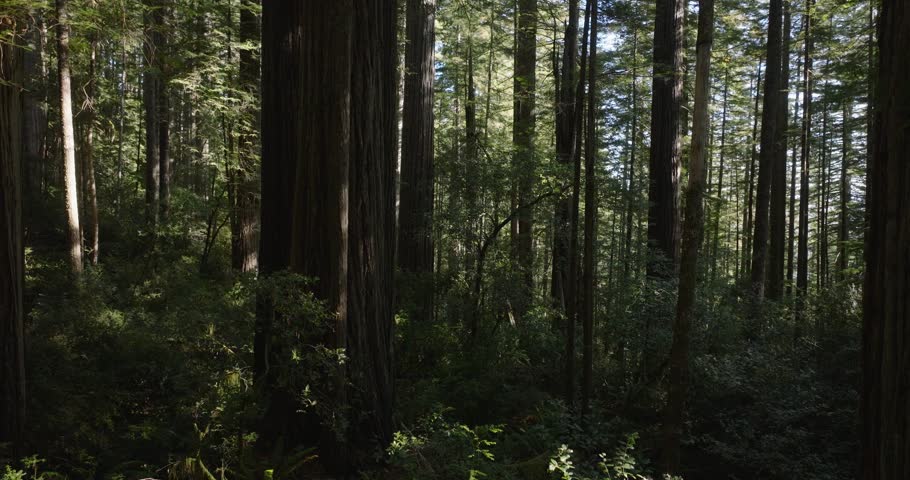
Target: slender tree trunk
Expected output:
[663,188]
[415,235]
[150,91]
[768,152]
[12,255]
[750,174]
[692,237]
[164,114]
[633,147]
[525,84]
[886,305]
[843,228]
[822,206]
[89,153]
[720,179]
[590,217]
[791,238]
[74,240]
[778,218]
[802,253]
[34,117]
[572,280]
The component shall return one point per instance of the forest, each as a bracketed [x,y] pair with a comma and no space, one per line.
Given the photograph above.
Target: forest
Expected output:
[454,239]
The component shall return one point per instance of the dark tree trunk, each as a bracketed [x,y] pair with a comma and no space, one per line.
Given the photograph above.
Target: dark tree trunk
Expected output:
[12,255]
[750,179]
[886,305]
[150,91]
[35,118]
[89,153]
[778,218]
[164,116]
[590,217]
[720,180]
[572,278]
[663,188]
[415,234]
[70,184]
[791,238]
[331,189]
[802,249]
[768,152]
[692,237]
[565,145]
[244,240]
[524,125]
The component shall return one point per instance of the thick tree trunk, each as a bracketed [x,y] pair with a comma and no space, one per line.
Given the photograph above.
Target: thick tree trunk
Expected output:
[886,305]
[692,237]
[74,238]
[663,187]
[164,114]
[768,151]
[590,216]
[244,254]
[415,217]
[12,255]
[328,186]
[778,218]
[524,125]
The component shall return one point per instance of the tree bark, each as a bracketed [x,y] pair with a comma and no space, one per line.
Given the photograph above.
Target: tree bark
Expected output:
[74,238]
[750,177]
[778,219]
[843,228]
[590,217]
[768,152]
[791,238]
[886,305]
[565,144]
[663,187]
[415,234]
[692,238]
[150,91]
[89,153]
[802,249]
[12,255]
[524,125]
[244,254]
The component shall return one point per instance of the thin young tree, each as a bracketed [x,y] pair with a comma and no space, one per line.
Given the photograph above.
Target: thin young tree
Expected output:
[692,239]
[70,183]
[802,249]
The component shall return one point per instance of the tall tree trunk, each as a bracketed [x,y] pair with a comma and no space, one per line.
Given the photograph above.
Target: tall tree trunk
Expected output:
[244,254]
[34,117]
[164,114]
[590,217]
[565,143]
[843,228]
[791,238]
[572,279]
[150,80]
[12,255]
[778,216]
[821,239]
[631,192]
[886,305]
[663,187]
[415,234]
[524,125]
[331,189]
[750,179]
[768,152]
[692,237]
[89,153]
[74,239]
[720,179]
[802,251]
